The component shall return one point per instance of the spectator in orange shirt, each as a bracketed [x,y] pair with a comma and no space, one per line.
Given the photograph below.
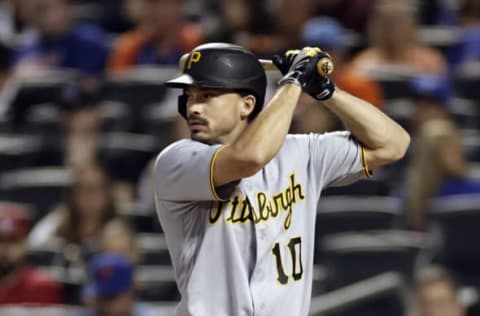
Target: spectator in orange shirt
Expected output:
[326,33]
[161,37]
[393,44]
[20,283]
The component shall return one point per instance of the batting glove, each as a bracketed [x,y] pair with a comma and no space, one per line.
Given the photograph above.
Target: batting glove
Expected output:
[300,67]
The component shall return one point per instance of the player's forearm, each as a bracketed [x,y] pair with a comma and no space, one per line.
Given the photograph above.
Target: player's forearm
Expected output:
[260,141]
[370,126]
[263,138]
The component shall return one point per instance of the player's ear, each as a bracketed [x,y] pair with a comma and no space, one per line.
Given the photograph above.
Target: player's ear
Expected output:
[248,105]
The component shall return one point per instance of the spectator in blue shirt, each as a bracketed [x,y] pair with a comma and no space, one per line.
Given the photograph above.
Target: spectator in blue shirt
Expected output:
[111,289]
[61,42]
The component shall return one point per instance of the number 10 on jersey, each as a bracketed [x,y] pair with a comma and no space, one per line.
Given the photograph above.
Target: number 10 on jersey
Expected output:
[294,247]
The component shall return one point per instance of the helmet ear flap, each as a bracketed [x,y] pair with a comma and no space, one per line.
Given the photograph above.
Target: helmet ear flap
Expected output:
[182,105]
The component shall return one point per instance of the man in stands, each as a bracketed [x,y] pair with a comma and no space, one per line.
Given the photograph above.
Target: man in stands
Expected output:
[20,283]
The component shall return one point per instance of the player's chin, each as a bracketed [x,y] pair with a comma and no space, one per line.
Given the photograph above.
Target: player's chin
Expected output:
[201,137]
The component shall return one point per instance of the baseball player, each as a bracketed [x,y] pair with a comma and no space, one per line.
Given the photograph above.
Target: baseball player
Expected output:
[238,200]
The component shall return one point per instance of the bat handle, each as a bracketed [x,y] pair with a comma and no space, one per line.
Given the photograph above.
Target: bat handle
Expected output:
[324,66]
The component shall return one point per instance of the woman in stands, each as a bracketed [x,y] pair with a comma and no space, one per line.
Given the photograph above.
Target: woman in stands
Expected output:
[393,46]
[438,168]
[89,206]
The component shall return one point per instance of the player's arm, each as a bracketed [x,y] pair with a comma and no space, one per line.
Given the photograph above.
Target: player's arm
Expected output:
[260,141]
[264,136]
[383,139]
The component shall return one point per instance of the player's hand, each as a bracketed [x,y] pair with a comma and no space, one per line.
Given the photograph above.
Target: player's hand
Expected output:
[284,62]
[302,70]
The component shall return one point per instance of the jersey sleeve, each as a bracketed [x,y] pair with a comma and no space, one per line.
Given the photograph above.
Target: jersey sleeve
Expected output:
[183,172]
[337,158]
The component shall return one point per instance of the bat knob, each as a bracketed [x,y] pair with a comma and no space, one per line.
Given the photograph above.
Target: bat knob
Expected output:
[324,66]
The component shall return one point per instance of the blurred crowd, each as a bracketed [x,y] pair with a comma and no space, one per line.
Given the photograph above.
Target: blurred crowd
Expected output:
[83,112]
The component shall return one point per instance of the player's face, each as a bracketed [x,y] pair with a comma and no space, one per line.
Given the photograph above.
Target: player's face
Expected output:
[216,115]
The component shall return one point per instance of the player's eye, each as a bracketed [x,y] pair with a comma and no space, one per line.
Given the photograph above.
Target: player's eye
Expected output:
[209,95]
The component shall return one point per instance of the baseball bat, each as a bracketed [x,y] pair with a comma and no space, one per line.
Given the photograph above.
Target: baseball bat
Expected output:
[324,65]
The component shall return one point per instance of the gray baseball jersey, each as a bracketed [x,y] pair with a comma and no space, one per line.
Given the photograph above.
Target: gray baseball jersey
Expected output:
[246,248]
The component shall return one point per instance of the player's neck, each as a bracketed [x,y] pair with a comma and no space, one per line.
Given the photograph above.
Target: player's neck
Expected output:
[233,135]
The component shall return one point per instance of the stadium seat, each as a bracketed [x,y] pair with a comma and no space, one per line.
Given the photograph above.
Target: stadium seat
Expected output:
[454,225]
[72,280]
[383,294]
[360,188]
[466,85]
[18,151]
[139,87]
[37,89]
[142,222]
[465,112]
[400,110]
[43,119]
[351,257]
[43,257]
[116,116]
[126,154]
[154,249]
[158,283]
[394,81]
[159,120]
[42,187]
[471,144]
[353,214]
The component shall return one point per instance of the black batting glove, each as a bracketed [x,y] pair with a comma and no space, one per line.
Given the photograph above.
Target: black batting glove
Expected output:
[284,62]
[320,87]
[300,67]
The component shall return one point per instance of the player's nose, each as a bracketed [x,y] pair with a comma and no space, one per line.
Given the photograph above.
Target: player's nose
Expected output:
[195,107]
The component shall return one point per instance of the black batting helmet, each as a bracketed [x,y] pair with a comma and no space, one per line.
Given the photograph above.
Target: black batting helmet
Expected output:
[221,65]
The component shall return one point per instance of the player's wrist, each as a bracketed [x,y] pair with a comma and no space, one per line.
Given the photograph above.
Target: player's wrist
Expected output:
[292,77]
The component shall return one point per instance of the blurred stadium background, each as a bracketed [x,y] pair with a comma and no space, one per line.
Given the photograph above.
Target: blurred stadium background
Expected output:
[83,111]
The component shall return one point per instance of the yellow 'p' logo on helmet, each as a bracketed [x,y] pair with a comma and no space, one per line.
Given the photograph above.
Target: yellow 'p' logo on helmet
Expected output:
[194,58]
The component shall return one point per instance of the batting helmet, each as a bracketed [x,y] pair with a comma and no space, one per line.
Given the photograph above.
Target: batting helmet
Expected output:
[221,65]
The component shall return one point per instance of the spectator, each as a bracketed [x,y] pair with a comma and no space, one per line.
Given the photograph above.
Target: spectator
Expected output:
[111,289]
[352,14]
[161,37]
[89,206]
[290,15]
[393,44]
[83,130]
[118,237]
[20,283]
[438,168]
[466,54]
[82,122]
[432,96]
[61,43]
[469,12]
[436,293]
[326,33]
[247,23]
